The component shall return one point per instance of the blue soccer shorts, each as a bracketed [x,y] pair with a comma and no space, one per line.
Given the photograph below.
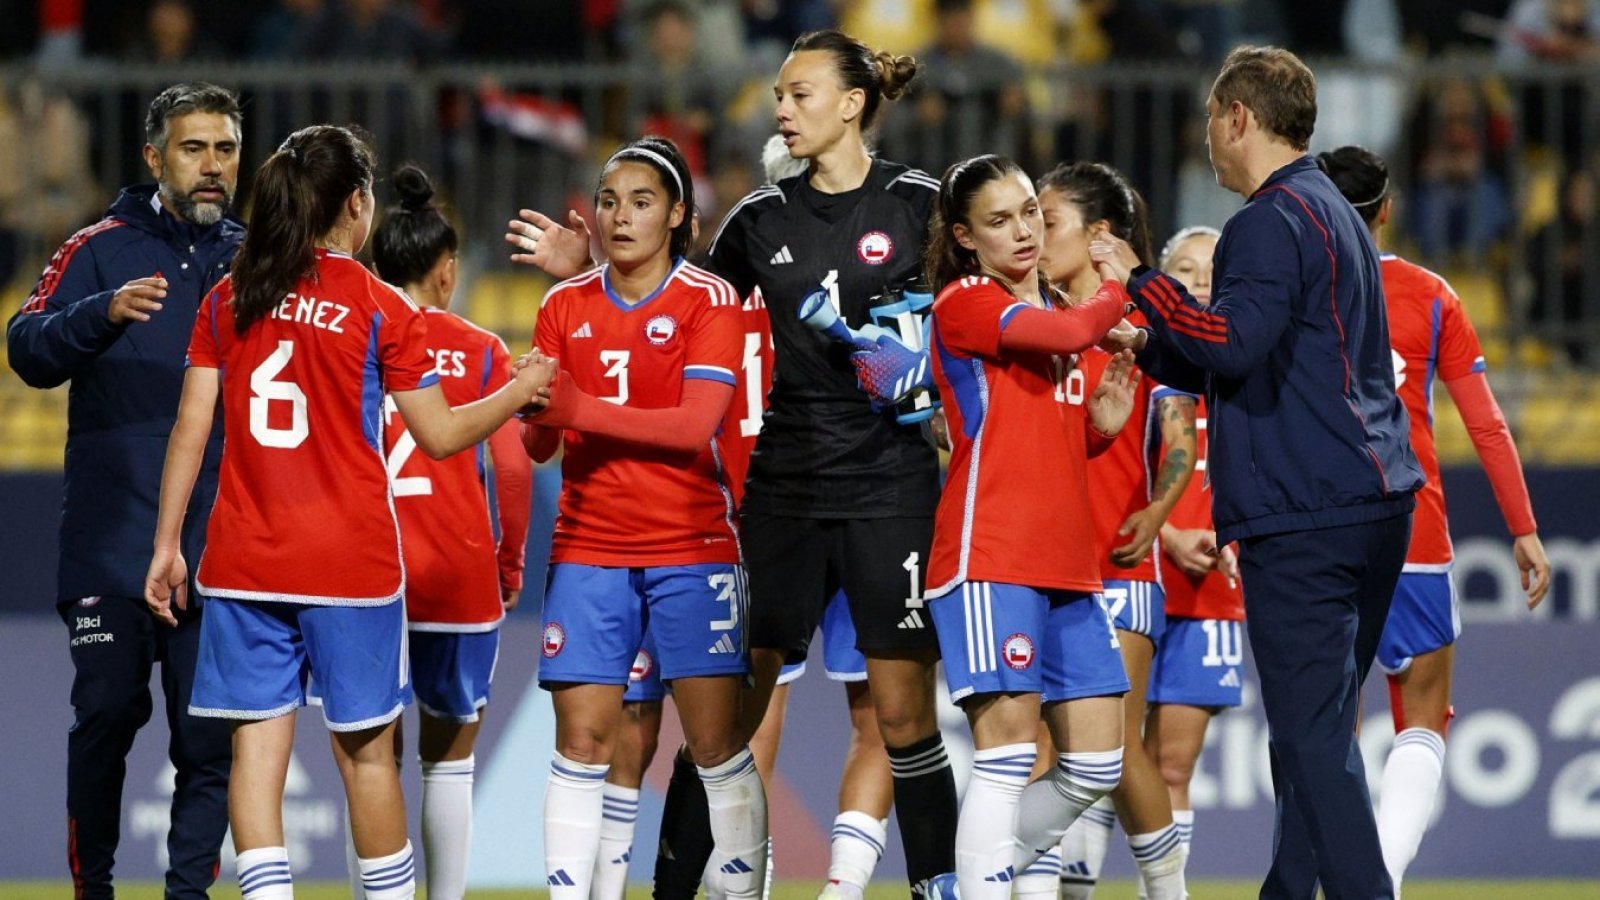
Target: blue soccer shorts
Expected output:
[841,661]
[451,672]
[256,657]
[595,618]
[1425,616]
[1005,638]
[1137,606]
[644,679]
[1199,662]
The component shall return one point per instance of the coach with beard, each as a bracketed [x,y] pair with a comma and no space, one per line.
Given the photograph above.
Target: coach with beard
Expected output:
[112,314]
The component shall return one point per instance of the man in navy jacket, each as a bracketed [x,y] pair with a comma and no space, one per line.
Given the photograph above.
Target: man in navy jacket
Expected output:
[112,314]
[1310,461]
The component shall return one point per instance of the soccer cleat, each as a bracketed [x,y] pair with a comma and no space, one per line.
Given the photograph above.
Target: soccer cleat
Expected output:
[939,887]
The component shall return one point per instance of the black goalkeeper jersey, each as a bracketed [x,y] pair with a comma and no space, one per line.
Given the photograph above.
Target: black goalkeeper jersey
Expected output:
[823,452]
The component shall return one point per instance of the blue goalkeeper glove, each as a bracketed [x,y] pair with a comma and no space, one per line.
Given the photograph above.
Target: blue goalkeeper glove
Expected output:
[890,371]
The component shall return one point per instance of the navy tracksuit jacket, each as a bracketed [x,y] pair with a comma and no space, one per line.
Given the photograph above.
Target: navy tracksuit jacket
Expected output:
[123,403]
[1312,473]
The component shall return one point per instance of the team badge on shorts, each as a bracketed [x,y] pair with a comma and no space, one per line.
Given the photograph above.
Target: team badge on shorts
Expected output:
[554,639]
[875,248]
[643,665]
[1018,651]
[660,329]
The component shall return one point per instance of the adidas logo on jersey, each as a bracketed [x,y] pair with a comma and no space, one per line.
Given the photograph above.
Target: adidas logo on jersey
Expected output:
[584,331]
[913,619]
[1230,680]
[724,644]
[782,258]
[736,866]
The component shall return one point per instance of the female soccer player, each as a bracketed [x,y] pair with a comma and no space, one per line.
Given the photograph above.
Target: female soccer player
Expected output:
[1137,482]
[840,495]
[302,571]
[1014,575]
[454,597]
[649,347]
[1431,335]
[1199,665]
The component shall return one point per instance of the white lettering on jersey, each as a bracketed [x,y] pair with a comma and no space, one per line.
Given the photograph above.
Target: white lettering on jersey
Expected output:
[449,363]
[324,314]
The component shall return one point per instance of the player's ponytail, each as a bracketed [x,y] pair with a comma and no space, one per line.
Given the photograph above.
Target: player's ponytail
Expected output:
[879,75]
[667,160]
[945,260]
[298,194]
[1102,194]
[413,235]
[1360,175]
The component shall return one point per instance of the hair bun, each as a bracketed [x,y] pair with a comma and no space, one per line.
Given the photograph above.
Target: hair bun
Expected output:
[414,188]
[896,72]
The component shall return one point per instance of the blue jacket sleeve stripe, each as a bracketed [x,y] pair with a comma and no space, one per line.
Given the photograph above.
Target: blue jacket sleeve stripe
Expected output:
[1182,319]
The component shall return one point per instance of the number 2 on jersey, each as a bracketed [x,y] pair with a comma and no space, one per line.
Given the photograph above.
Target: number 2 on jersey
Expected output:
[410,485]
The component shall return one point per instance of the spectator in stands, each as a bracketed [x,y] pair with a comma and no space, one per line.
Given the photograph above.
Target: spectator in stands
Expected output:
[170,36]
[1561,31]
[368,31]
[113,314]
[970,100]
[46,187]
[1206,29]
[685,92]
[1460,209]
[1564,262]
[283,28]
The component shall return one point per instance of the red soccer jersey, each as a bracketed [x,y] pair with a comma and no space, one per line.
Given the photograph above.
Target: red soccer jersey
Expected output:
[1208,597]
[1120,479]
[1430,337]
[451,574]
[624,504]
[303,511]
[743,421]
[1014,505]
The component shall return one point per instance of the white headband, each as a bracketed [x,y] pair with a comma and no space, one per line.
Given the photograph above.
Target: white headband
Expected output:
[1381,194]
[654,157]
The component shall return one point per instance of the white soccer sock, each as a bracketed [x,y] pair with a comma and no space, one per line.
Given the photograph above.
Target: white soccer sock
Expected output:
[264,874]
[573,803]
[1083,850]
[1159,855]
[1051,804]
[738,807]
[857,846]
[1041,880]
[447,825]
[1184,819]
[620,812]
[986,830]
[392,877]
[1410,788]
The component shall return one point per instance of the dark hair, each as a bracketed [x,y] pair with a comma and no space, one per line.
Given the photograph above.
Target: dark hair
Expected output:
[1101,192]
[882,75]
[1360,175]
[679,184]
[299,193]
[945,260]
[413,235]
[183,99]
[1275,85]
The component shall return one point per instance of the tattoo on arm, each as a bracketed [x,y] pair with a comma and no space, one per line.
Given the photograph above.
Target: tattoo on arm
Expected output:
[1173,467]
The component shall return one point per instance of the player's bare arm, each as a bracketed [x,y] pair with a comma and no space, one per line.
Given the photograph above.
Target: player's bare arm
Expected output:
[167,580]
[1177,464]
